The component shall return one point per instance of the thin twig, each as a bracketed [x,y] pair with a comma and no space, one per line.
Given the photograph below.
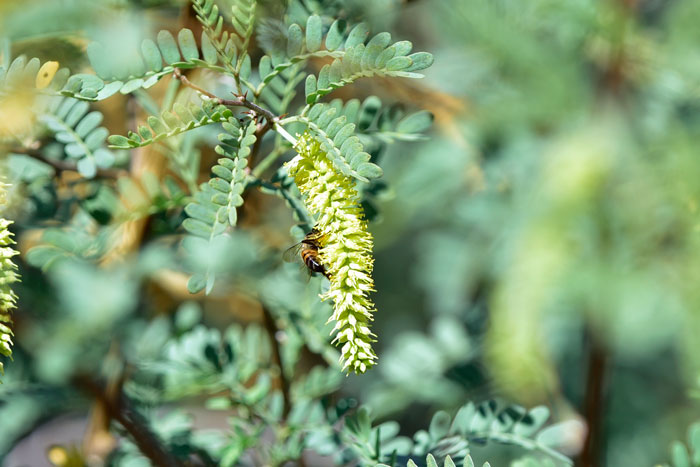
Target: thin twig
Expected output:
[272,330]
[240,102]
[63,166]
[178,75]
[120,410]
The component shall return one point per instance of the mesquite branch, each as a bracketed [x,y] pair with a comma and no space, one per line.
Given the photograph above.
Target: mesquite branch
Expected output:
[241,101]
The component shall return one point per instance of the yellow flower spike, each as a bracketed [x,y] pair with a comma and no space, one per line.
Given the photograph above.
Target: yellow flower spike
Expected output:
[8,276]
[45,75]
[346,250]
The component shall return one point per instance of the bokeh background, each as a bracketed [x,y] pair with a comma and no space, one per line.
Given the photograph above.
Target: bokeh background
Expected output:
[540,246]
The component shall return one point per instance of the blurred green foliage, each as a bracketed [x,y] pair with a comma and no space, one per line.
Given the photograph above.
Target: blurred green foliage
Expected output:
[537,247]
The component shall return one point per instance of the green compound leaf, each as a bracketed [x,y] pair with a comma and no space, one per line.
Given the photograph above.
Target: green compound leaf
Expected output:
[230,172]
[334,125]
[449,440]
[215,206]
[78,129]
[302,44]
[180,120]
[379,123]
[154,59]
[279,91]
[359,59]
[29,75]
[231,49]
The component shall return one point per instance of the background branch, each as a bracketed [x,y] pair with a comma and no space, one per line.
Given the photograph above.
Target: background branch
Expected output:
[119,408]
[271,327]
[593,403]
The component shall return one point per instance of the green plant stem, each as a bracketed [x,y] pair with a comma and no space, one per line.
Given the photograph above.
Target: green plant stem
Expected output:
[267,162]
[295,203]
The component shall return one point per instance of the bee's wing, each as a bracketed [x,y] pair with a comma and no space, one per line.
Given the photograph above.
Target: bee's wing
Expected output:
[292,255]
[306,272]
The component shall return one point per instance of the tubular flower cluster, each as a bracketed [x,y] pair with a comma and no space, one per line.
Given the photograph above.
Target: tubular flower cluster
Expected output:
[8,275]
[346,250]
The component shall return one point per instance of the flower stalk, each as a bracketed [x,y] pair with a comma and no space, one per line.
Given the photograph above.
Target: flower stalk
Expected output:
[346,250]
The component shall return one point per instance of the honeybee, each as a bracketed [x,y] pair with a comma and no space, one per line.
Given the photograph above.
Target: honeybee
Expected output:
[307,250]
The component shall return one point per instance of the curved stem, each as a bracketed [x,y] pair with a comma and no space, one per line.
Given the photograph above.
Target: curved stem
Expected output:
[292,119]
[266,162]
[280,129]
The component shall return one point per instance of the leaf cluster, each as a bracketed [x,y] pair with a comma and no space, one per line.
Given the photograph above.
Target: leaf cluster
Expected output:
[156,60]
[74,125]
[376,58]
[454,437]
[686,455]
[182,118]
[230,47]
[215,208]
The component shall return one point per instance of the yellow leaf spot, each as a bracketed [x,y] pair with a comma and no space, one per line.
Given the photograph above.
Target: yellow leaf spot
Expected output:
[46,74]
[57,454]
